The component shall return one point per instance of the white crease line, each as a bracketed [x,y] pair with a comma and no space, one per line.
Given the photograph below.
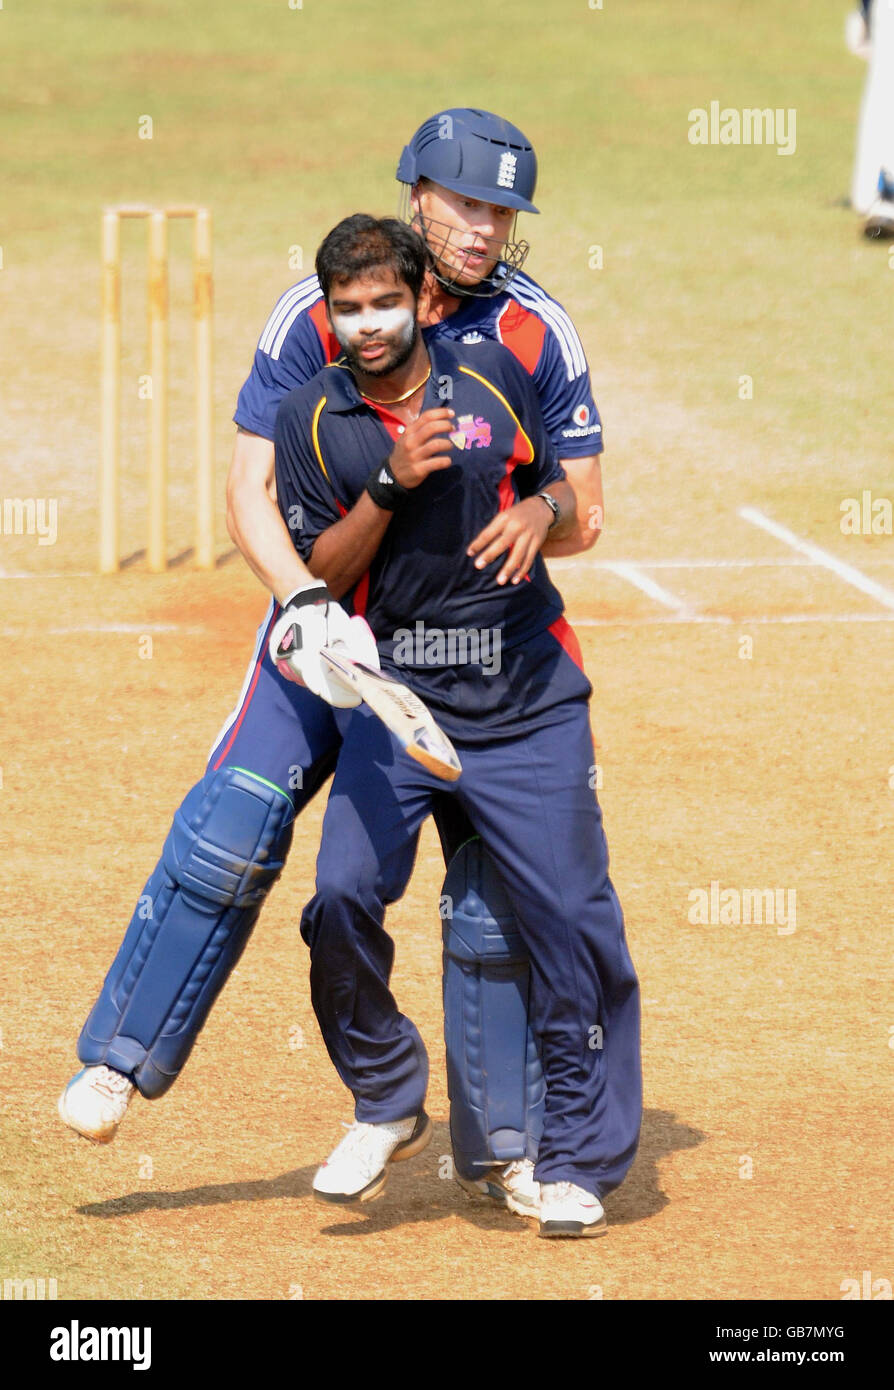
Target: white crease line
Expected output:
[571,562]
[657,619]
[725,619]
[785,560]
[128,628]
[849,573]
[567,562]
[53,574]
[634,575]
[563,562]
[754,563]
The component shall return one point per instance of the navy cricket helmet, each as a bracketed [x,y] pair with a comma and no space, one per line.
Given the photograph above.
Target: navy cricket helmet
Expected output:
[482,156]
[476,153]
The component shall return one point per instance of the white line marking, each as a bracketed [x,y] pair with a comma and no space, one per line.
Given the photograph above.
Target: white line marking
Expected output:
[128,628]
[634,575]
[53,574]
[570,562]
[784,560]
[726,620]
[564,562]
[849,573]
[656,619]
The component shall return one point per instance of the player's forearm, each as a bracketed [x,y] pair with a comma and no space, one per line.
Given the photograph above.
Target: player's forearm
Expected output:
[344,552]
[574,540]
[585,479]
[253,519]
[566,524]
[257,528]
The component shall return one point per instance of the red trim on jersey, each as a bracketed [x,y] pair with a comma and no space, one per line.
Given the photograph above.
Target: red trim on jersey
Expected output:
[251,689]
[520,454]
[393,424]
[361,595]
[317,315]
[506,492]
[361,592]
[566,637]
[523,333]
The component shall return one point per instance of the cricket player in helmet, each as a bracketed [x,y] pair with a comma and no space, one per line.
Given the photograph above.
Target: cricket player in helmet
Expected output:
[466,174]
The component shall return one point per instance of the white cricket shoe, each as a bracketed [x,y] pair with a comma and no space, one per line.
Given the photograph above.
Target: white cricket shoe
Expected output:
[356,1170]
[569,1210]
[513,1187]
[95,1102]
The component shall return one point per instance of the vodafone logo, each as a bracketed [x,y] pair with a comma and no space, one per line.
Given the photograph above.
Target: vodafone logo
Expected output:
[586,422]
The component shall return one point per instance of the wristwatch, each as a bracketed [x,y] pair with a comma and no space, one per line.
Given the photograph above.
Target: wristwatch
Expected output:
[553,506]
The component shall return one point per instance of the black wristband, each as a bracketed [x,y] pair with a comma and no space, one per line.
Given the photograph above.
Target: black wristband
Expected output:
[315,593]
[384,489]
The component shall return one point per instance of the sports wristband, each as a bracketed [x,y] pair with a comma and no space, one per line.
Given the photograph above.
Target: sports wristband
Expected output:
[384,489]
[308,593]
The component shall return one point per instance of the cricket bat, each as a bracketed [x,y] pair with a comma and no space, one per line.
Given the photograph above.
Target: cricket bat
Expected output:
[401,710]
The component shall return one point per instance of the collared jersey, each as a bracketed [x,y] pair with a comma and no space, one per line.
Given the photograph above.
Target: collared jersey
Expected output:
[296,344]
[328,441]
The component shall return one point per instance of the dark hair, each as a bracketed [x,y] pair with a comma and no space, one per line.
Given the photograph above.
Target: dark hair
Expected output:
[360,244]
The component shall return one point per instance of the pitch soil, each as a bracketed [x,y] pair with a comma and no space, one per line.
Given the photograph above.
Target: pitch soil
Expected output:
[761,1172]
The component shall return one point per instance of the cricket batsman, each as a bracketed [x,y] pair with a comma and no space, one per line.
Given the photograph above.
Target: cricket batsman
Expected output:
[398,497]
[465,176]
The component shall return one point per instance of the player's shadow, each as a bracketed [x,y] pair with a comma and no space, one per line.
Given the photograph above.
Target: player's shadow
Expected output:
[420,1190]
[640,1194]
[639,1197]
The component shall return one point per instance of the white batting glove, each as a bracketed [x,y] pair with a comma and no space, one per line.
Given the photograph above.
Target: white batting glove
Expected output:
[312,619]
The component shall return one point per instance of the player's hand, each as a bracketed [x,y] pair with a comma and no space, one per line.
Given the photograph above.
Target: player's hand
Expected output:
[420,450]
[311,619]
[521,530]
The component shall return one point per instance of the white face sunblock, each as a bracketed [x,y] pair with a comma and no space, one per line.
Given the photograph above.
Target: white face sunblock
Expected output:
[348,327]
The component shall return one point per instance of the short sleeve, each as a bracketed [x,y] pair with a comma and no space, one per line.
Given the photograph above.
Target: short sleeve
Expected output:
[288,354]
[562,379]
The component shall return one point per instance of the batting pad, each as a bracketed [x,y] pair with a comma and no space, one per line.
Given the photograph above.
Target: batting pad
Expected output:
[494,1078]
[224,852]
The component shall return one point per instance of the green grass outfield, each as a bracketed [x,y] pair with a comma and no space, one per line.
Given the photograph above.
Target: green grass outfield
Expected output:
[718,261]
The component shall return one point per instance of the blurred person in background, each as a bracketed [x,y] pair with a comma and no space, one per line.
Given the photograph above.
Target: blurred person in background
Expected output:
[870,35]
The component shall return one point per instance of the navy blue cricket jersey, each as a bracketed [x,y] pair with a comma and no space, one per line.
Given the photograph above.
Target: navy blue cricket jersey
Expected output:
[328,440]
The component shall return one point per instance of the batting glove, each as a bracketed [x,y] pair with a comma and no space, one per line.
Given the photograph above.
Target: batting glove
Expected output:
[311,619]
